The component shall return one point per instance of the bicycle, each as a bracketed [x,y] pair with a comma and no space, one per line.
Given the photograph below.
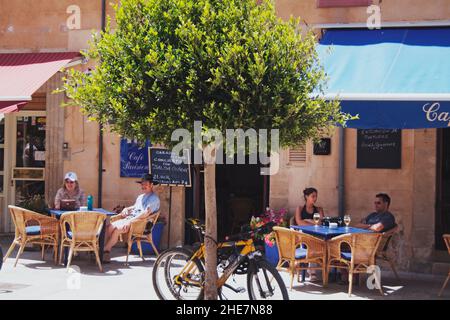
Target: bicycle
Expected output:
[179,273]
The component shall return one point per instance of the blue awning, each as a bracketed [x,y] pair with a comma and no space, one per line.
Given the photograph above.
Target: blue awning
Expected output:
[392,78]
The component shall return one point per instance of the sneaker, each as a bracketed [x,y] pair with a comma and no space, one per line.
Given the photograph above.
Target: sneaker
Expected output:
[106,257]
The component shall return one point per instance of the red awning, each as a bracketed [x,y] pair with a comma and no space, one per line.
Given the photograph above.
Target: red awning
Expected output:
[21,74]
[10,106]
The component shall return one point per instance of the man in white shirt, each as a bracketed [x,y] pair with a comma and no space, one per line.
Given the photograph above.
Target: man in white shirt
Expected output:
[146,205]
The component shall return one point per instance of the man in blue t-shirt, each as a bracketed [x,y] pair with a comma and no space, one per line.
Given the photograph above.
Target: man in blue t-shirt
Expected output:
[381,220]
[146,205]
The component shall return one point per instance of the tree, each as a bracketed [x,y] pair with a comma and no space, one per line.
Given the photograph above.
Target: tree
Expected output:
[227,63]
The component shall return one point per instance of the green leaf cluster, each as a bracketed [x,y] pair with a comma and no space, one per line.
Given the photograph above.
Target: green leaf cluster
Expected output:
[228,63]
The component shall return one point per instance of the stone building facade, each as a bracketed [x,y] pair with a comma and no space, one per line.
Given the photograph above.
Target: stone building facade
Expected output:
[42,26]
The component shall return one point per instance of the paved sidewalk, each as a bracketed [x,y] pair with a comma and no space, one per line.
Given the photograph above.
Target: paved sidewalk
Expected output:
[36,279]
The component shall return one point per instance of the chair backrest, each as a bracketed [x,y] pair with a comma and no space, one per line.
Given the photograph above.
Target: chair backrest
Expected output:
[286,242]
[447,241]
[364,247]
[84,225]
[20,217]
[140,228]
[386,239]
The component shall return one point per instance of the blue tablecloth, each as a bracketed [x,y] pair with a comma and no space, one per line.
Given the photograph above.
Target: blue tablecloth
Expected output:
[327,232]
[59,213]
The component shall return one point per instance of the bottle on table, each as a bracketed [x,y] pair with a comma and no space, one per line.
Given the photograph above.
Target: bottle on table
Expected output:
[90,202]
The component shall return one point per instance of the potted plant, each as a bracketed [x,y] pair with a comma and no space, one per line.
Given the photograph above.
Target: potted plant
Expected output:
[278,218]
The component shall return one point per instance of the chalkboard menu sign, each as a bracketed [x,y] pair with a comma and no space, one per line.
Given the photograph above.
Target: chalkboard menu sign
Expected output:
[165,171]
[379,149]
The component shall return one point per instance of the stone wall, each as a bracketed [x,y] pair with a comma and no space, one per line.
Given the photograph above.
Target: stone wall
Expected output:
[412,189]
[391,10]
[82,137]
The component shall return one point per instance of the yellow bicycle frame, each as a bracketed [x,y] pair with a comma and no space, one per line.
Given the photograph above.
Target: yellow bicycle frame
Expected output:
[248,247]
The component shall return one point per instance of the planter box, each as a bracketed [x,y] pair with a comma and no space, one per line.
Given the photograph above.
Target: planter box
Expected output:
[147,247]
[272,254]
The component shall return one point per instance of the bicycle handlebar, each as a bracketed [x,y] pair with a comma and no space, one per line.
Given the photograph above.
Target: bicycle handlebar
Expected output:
[249,234]
[198,225]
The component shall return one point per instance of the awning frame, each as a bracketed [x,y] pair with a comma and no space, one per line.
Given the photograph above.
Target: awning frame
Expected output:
[385,96]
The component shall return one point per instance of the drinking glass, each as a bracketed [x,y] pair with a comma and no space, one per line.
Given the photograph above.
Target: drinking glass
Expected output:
[316,218]
[347,220]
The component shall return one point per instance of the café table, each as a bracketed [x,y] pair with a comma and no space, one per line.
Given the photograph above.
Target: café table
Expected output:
[327,233]
[101,240]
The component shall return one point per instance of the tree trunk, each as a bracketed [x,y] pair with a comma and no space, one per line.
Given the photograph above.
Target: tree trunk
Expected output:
[211,232]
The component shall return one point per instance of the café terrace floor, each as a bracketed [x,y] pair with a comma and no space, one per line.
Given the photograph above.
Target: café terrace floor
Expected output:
[37,279]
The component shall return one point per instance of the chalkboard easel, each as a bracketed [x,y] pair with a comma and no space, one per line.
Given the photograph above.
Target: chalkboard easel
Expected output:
[168,173]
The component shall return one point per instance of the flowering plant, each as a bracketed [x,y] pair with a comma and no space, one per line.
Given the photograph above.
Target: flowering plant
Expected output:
[270,215]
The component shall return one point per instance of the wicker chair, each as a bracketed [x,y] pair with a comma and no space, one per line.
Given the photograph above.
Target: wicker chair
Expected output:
[447,242]
[32,227]
[382,252]
[83,233]
[363,248]
[298,250]
[140,231]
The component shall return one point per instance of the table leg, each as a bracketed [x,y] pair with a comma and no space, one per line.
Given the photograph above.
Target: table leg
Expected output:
[335,274]
[101,242]
[66,256]
[333,271]
[1,258]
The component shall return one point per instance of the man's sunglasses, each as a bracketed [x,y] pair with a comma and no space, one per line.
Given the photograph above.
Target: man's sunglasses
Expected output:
[68,181]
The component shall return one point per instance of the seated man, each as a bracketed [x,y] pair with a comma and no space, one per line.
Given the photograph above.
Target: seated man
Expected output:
[146,205]
[381,220]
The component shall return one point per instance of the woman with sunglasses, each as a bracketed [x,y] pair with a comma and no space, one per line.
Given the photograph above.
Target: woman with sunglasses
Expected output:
[70,191]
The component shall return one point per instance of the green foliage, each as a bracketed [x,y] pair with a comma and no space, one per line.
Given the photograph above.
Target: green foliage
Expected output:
[229,63]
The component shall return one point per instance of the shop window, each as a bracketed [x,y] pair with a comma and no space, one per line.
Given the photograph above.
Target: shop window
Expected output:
[342,3]
[30,147]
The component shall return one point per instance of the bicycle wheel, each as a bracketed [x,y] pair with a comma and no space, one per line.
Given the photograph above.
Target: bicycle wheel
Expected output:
[264,282]
[177,277]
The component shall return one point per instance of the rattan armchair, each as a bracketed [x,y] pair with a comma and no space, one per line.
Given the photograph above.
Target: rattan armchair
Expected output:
[382,252]
[363,248]
[32,227]
[140,231]
[82,234]
[299,250]
[447,242]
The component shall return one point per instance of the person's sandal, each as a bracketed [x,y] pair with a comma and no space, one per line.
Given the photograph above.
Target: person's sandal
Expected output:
[106,257]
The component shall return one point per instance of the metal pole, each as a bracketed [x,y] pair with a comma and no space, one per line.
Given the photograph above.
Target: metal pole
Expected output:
[341,173]
[170,218]
[100,133]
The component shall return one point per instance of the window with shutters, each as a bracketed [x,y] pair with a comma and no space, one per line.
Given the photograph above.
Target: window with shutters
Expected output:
[342,3]
[297,156]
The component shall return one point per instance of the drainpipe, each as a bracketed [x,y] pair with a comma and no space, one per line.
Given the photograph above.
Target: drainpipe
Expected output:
[100,133]
[341,173]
